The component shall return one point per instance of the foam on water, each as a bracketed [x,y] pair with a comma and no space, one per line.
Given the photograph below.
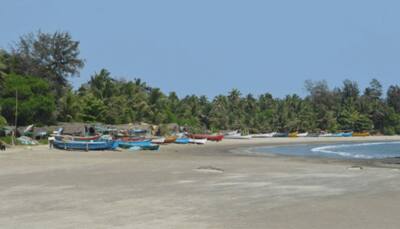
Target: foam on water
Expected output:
[330,149]
[368,150]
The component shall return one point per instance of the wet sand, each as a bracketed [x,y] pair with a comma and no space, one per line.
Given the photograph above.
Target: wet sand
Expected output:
[216,185]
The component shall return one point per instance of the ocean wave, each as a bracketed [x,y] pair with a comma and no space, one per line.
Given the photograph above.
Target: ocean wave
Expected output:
[331,149]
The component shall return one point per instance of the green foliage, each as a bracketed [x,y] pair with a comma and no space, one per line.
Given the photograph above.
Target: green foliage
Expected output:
[393,97]
[68,107]
[93,109]
[35,101]
[3,121]
[8,140]
[54,57]
[391,122]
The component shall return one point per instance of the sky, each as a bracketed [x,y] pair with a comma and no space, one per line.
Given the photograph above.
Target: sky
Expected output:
[208,47]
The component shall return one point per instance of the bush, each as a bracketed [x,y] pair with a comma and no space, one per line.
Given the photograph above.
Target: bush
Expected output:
[3,121]
[6,139]
[389,131]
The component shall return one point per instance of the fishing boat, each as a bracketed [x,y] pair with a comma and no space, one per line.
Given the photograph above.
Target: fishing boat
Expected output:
[231,132]
[305,134]
[150,147]
[347,134]
[237,136]
[324,134]
[266,135]
[170,139]
[182,140]
[144,145]
[198,141]
[361,134]
[343,134]
[313,135]
[133,139]
[208,137]
[77,138]
[85,145]
[158,140]
[280,135]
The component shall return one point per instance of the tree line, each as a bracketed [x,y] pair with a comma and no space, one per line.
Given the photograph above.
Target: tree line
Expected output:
[38,67]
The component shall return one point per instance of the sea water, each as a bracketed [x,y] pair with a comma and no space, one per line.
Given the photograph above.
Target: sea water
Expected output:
[370,150]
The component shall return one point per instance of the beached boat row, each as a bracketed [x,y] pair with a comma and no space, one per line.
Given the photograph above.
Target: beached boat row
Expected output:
[110,142]
[237,135]
[107,142]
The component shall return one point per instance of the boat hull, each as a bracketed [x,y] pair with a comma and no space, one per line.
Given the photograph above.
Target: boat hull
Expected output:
[361,134]
[238,136]
[182,141]
[77,138]
[82,145]
[198,141]
[216,138]
[170,139]
[267,135]
[158,141]
[144,145]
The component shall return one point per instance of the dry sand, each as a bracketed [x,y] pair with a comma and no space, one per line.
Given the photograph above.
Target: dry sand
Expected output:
[187,186]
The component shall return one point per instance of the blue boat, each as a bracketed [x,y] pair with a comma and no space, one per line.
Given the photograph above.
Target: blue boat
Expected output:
[81,145]
[126,144]
[144,145]
[343,134]
[182,140]
[347,134]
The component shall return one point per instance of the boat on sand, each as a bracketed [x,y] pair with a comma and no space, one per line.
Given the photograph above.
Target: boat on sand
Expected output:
[76,138]
[305,134]
[198,141]
[182,140]
[158,140]
[361,134]
[216,138]
[266,135]
[85,145]
[170,139]
[144,145]
[237,136]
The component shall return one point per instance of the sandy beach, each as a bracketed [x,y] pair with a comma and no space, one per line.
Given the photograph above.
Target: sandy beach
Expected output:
[217,185]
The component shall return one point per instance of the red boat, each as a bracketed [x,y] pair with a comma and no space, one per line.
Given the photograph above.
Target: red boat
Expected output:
[216,138]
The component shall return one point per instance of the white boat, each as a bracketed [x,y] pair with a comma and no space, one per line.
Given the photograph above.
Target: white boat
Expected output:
[158,140]
[237,136]
[235,132]
[326,135]
[198,141]
[302,134]
[266,135]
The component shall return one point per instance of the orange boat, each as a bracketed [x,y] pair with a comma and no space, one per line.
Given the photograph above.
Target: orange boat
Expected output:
[361,134]
[216,138]
[170,139]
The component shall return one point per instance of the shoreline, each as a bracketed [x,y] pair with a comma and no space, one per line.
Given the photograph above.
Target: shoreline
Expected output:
[244,148]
